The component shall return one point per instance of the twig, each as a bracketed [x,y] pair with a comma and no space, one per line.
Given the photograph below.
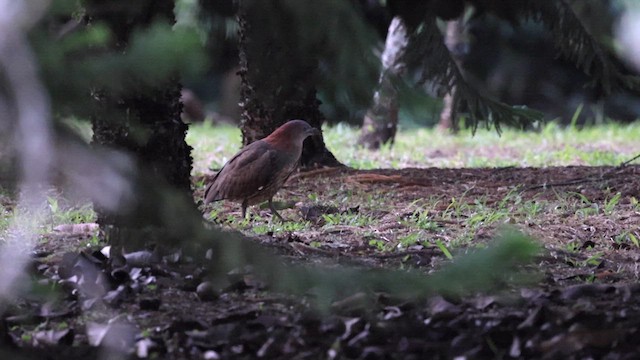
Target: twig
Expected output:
[426,251]
[318,172]
[584,179]
[564,183]
[625,163]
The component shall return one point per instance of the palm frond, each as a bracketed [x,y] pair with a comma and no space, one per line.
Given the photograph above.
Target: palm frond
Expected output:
[577,43]
[573,39]
[439,67]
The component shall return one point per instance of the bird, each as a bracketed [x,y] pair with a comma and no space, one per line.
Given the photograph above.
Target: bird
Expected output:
[259,170]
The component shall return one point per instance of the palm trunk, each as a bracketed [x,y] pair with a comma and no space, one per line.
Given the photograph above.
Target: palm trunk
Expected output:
[278,82]
[161,152]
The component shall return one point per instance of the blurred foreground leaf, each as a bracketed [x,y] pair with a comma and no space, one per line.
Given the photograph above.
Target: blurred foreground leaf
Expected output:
[81,62]
[487,269]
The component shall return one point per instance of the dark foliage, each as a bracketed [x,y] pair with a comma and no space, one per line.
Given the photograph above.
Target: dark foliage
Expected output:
[572,34]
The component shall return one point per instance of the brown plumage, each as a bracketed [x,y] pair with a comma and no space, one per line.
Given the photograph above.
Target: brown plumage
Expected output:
[260,169]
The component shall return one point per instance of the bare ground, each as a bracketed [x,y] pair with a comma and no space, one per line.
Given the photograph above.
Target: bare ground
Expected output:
[583,303]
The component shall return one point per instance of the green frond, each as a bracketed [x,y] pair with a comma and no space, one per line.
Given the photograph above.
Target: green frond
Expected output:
[573,39]
[438,67]
[576,42]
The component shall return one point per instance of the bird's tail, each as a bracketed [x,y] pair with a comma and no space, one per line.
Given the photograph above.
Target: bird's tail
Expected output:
[206,193]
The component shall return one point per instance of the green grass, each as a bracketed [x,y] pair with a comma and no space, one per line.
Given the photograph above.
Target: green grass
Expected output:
[212,145]
[348,218]
[57,212]
[608,144]
[60,213]
[5,220]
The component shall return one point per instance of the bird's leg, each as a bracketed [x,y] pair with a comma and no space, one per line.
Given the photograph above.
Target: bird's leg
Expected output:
[273,210]
[244,209]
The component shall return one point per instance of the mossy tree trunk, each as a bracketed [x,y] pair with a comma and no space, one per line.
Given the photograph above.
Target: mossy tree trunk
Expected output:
[145,124]
[278,79]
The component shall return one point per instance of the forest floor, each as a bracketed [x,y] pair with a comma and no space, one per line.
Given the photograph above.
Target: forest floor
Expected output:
[581,299]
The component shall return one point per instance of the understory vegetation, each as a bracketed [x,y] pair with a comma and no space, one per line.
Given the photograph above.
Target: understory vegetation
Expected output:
[603,145]
[364,211]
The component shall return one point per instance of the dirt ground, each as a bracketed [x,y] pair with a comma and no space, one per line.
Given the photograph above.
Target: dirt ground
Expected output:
[583,303]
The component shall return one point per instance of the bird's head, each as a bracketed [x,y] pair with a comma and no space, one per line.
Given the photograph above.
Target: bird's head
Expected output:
[292,132]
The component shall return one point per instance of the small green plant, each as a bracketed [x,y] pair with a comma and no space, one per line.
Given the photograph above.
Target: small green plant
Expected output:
[277,227]
[610,204]
[290,226]
[348,218]
[576,115]
[5,219]
[514,196]
[590,278]
[213,215]
[594,209]
[456,208]
[585,207]
[53,204]
[593,260]
[331,219]
[444,249]
[572,246]
[409,240]
[634,239]
[423,221]
[200,183]
[93,241]
[245,223]
[627,236]
[581,197]
[483,215]
[69,214]
[379,244]
[261,229]
[315,244]
[532,208]
[463,239]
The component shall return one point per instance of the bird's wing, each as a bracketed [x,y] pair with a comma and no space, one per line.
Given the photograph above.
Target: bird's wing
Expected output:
[210,193]
[245,174]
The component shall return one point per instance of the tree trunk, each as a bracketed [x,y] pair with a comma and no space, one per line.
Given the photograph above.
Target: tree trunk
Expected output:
[381,121]
[278,79]
[457,45]
[148,125]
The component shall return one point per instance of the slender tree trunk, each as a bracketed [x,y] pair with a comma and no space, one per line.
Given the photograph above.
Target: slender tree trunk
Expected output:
[149,125]
[456,43]
[447,115]
[381,121]
[278,81]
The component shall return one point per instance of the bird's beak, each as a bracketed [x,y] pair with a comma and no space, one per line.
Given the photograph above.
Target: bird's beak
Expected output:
[313,132]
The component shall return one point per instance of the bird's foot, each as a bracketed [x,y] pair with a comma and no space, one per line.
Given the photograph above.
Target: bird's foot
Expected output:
[275,213]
